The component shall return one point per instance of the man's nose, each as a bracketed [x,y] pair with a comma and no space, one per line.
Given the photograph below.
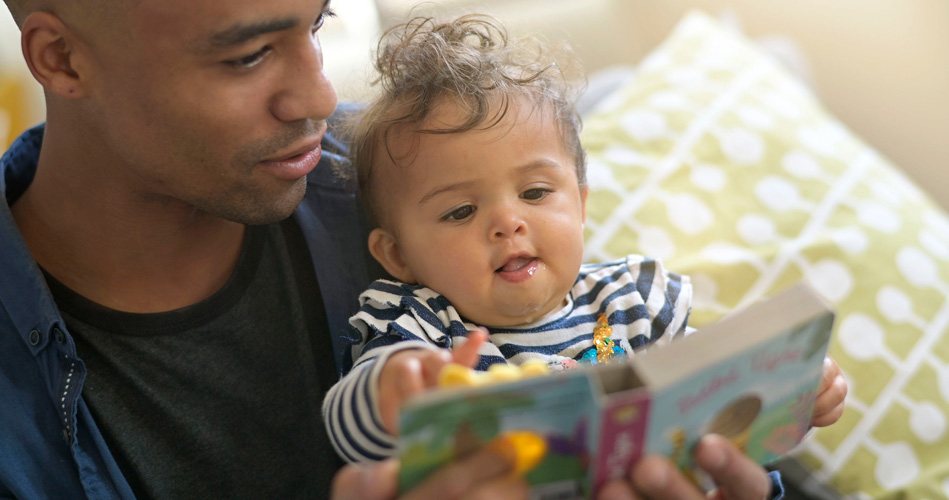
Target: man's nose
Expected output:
[307,92]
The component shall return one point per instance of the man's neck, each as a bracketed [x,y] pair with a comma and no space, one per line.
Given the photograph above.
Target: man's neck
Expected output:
[119,248]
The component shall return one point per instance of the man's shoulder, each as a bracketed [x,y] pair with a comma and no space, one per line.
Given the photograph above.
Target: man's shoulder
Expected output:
[18,163]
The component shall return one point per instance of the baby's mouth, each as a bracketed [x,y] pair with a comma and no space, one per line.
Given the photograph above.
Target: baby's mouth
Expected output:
[515,264]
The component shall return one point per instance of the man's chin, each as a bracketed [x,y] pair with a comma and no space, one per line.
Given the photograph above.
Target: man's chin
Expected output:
[266,211]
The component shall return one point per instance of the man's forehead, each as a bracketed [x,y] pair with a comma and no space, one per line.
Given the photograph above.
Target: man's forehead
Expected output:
[67,9]
[216,22]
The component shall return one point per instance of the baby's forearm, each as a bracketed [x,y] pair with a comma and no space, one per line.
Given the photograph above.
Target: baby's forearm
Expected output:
[349,412]
[351,409]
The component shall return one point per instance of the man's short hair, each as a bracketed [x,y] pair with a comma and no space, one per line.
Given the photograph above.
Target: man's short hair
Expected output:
[17,10]
[101,11]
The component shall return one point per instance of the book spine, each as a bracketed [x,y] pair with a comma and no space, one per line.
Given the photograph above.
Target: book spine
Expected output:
[622,435]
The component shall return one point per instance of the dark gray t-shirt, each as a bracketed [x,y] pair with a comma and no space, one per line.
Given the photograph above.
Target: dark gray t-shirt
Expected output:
[220,399]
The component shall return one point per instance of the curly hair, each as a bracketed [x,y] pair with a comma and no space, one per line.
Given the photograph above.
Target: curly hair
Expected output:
[473,62]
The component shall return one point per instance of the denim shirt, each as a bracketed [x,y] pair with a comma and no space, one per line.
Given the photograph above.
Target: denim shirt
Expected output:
[50,446]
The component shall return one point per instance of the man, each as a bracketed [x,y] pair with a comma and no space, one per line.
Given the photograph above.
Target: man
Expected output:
[176,250]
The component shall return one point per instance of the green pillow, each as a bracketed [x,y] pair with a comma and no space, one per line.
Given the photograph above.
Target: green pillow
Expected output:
[717,161]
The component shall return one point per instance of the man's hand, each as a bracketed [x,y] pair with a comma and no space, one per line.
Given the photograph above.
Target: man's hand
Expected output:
[485,474]
[410,372]
[656,478]
[829,405]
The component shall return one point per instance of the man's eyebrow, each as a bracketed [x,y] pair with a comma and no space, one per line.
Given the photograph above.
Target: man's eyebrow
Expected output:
[244,32]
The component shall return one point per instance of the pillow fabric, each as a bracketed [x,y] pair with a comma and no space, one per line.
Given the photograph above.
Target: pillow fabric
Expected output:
[721,164]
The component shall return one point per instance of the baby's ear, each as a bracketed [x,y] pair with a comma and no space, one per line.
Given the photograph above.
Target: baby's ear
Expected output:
[384,247]
[583,201]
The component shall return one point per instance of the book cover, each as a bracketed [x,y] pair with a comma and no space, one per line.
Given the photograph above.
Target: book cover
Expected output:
[751,377]
[442,426]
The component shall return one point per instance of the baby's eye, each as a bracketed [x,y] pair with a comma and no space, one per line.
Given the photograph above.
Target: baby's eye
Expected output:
[536,194]
[460,213]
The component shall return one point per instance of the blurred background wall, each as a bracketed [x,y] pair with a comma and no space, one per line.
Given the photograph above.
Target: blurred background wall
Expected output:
[21,103]
[881,66]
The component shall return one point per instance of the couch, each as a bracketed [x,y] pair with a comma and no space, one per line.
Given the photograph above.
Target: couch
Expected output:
[741,161]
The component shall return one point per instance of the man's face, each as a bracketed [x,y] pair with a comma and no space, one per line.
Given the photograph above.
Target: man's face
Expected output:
[213,105]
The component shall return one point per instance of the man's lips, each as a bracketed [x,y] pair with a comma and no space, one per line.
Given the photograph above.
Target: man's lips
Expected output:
[297,162]
[308,145]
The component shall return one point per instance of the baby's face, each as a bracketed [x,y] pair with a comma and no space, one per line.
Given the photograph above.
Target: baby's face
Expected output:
[492,219]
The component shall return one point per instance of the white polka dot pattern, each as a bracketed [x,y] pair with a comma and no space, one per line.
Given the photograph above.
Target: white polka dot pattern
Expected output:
[729,170]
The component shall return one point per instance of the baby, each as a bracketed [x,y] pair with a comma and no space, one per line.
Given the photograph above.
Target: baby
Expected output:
[471,166]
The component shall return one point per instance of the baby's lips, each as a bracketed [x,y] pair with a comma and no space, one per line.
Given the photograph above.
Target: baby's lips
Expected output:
[528,448]
[515,264]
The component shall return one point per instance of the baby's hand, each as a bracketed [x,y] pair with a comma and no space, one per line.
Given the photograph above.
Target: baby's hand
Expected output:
[829,405]
[412,371]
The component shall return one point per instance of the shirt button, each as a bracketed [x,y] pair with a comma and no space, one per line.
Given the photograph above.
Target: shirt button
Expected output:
[60,336]
[35,337]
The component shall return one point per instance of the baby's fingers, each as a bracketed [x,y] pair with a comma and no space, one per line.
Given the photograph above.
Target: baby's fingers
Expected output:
[403,381]
[466,353]
[829,405]
[432,363]
[829,371]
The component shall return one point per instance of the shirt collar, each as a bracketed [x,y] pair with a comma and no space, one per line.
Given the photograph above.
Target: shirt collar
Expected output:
[23,291]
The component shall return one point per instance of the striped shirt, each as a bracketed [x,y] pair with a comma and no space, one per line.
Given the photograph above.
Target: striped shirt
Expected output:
[644,303]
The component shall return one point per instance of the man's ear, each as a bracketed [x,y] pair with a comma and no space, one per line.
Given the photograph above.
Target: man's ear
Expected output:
[48,47]
[384,247]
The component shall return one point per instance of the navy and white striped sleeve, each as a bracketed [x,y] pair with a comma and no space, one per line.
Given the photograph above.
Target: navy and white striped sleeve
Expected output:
[351,410]
[390,320]
[668,298]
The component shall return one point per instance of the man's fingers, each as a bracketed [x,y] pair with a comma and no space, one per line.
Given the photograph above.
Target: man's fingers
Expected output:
[656,477]
[486,472]
[377,481]
[504,488]
[737,476]
[616,490]
[467,353]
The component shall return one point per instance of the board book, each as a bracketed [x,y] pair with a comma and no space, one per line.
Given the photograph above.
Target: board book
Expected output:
[751,377]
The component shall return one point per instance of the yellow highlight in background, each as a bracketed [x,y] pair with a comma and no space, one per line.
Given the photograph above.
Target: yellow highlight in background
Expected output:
[12,110]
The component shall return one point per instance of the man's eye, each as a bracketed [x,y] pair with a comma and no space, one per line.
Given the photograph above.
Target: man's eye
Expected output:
[249,61]
[320,20]
[535,194]
[460,213]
